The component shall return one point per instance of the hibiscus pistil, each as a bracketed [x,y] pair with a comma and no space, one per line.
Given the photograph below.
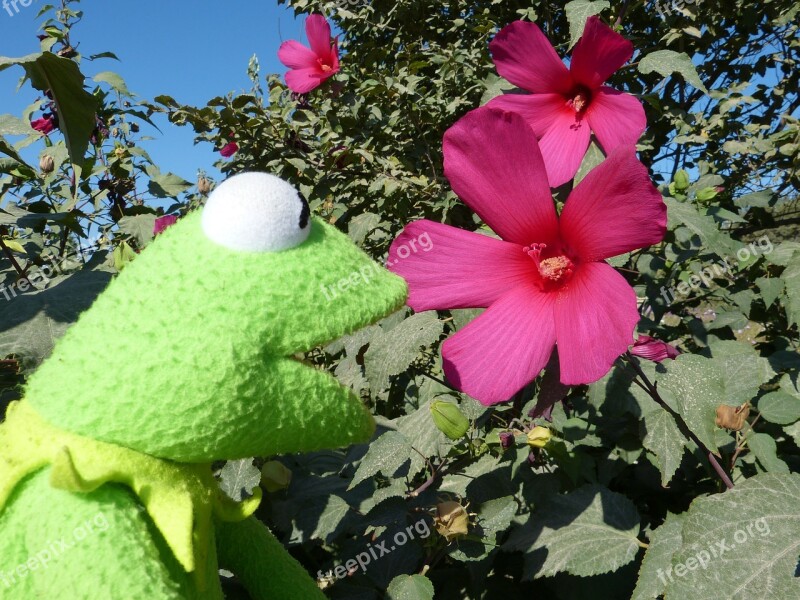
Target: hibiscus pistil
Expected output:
[554,271]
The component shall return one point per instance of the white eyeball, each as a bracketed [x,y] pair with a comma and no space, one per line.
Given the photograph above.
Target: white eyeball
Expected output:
[256,212]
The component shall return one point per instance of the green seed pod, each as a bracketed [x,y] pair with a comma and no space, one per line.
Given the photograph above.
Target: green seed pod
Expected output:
[449,419]
[681,181]
[538,437]
[275,476]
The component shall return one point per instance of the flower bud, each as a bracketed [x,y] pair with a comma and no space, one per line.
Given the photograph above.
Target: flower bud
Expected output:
[452,520]
[47,164]
[681,181]
[506,439]
[538,437]
[203,185]
[732,417]
[449,419]
[275,476]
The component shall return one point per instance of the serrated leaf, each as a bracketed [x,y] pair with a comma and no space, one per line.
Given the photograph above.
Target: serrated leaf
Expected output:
[493,518]
[362,225]
[114,80]
[421,432]
[664,439]
[385,455]
[167,185]
[704,226]
[791,279]
[578,12]
[393,351]
[410,587]
[331,518]
[140,227]
[238,478]
[754,532]
[586,532]
[667,62]
[665,541]
[770,288]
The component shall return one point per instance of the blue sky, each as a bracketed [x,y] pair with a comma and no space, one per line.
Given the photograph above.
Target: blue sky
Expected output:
[192,51]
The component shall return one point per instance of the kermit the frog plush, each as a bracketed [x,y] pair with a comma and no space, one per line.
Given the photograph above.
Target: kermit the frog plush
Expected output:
[189,357]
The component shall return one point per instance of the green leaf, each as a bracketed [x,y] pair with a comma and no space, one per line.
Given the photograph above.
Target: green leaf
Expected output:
[704,226]
[422,433]
[695,387]
[765,450]
[331,518]
[31,322]
[238,478]
[390,353]
[140,227]
[791,278]
[771,288]
[77,108]
[362,225]
[495,86]
[667,62]
[748,539]
[493,519]
[779,407]
[665,541]
[586,532]
[578,12]
[11,125]
[663,438]
[385,455]
[167,185]
[410,587]
[114,80]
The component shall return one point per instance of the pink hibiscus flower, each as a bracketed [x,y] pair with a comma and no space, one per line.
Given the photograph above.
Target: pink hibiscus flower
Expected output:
[566,105]
[545,282]
[44,125]
[229,149]
[653,349]
[309,67]
[163,223]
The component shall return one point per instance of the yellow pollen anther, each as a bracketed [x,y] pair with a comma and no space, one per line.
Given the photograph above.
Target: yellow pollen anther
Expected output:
[555,268]
[579,102]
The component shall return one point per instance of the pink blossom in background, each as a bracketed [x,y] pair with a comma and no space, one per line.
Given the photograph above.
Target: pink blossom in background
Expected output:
[163,223]
[229,149]
[565,105]
[545,281]
[44,125]
[653,349]
[309,67]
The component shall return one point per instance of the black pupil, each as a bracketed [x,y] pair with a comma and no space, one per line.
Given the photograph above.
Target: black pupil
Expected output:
[305,212]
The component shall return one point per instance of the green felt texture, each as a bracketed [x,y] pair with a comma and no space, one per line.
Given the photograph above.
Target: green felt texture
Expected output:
[179,498]
[100,545]
[268,572]
[186,354]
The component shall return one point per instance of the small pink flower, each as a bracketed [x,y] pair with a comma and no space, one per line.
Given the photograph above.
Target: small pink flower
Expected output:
[44,125]
[309,67]
[566,105]
[545,283]
[229,149]
[163,223]
[653,349]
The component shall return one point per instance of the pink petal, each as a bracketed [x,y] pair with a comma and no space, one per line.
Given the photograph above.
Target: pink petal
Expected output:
[595,316]
[296,56]
[653,349]
[524,56]
[162,223]
[538,110]
[446,267]
[614,209]
[505,348]
[319,35]
[494,165]
[564,146]
[616,118]
[302,81]
[598,54]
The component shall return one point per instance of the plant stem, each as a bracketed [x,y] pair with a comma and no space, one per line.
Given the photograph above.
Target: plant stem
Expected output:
[10,256]
[653,392]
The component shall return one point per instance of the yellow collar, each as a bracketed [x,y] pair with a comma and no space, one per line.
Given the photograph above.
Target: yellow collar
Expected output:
[179,497]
